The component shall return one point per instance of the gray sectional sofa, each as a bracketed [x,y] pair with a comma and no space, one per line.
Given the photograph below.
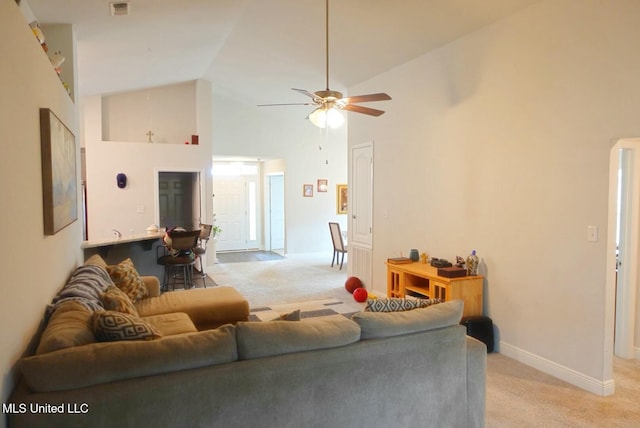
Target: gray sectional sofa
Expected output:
[114,352]
[405,369]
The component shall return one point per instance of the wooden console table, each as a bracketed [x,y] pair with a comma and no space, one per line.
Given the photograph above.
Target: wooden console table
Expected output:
[423,280]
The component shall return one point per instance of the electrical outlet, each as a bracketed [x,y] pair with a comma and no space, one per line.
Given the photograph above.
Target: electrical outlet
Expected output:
[592,233]
[140,209]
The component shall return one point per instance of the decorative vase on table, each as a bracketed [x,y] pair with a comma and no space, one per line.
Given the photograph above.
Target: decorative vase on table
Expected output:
[472,264]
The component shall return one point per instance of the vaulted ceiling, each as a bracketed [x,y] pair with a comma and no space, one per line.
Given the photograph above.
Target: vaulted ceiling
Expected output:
[256,50]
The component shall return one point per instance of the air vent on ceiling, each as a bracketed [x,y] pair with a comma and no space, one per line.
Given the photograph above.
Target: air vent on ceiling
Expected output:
[119,8]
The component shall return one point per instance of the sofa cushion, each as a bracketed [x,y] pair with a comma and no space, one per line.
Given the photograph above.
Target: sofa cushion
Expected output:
[170,324]
[109,326]
[99,363]
[264,339]
[394,304]
[114,299]
[126,278]
[207,307]
[385,324]
[85,286]
[96,260]
[70,325]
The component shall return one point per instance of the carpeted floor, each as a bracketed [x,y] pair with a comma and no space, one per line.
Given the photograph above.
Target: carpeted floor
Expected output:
[247,256]
[294,278]
[517,395]
[313,309]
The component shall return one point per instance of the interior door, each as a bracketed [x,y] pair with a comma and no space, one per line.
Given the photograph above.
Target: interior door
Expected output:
[175,191]
[361,196]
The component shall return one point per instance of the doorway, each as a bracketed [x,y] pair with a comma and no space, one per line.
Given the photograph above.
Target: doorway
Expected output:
[178,196]
[623,250]
[236,205]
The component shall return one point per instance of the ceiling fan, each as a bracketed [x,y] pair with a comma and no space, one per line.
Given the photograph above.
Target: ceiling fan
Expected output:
[329,102]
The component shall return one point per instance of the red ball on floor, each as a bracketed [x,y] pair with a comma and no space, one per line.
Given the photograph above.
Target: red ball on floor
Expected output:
[360,294]
[352,283]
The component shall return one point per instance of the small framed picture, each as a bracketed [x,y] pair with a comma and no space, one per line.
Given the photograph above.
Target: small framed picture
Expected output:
[322,185]
[341,202]
[307,190]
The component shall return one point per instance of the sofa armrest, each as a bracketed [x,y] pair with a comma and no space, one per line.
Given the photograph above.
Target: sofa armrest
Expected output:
[153,285]
[476,382]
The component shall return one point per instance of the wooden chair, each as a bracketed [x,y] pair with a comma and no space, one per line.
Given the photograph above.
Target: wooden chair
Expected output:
[178,258]
[338,243]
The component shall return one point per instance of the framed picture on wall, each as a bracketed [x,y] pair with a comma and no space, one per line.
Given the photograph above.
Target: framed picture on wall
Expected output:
[59,176]
[342,203]
[307,190]
[322,185]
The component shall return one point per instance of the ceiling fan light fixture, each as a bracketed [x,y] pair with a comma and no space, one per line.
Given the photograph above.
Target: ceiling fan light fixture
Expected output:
[335,119]
[321,117]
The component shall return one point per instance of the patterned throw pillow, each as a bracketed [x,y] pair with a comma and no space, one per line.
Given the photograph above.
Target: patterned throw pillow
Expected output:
[111,326]
[115,299]
[125,276]
[398,305]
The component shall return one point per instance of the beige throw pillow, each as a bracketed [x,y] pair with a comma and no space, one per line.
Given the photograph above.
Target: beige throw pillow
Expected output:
[115,299]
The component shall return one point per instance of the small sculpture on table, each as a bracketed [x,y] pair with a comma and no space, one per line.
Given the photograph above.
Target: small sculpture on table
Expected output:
[423,258]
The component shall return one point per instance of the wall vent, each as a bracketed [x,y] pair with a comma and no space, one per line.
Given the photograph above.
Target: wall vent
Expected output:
[119,8]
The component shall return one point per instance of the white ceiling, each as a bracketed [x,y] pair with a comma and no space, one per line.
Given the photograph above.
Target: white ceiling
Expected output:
[256,50]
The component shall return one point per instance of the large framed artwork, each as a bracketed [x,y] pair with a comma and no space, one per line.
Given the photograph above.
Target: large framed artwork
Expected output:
[59,176]
[341,202]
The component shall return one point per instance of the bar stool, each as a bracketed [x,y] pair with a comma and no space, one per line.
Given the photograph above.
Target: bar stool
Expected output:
[178,258]
[201,249]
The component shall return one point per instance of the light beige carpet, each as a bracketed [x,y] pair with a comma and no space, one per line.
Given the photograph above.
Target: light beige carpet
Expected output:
[517,395]
[296,278]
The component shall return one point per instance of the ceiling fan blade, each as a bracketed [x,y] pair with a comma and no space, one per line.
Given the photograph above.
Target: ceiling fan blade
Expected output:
[367,98]
[286,104]
[363,110]
[307,93]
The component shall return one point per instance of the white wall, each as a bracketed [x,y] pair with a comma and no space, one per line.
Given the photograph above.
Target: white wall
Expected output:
[247,130]
[168,111]
[110,207]
[500,142]
[34,266]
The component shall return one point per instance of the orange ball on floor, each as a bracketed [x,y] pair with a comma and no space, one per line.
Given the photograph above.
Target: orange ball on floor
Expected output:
[352,283]
[360,294]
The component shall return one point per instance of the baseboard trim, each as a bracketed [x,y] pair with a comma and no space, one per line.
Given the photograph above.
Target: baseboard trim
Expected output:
[580,380]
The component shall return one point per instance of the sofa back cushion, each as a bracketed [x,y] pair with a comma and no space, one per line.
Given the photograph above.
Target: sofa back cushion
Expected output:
[70,325]
[104,362]
[264,339]
[385,324]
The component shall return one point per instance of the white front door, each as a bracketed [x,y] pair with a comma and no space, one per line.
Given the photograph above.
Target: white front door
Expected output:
[230,212]
[236,211]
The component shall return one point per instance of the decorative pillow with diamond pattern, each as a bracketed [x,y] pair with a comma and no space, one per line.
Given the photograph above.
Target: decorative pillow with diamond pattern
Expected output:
[125,276]
[111,326]
[394,304]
